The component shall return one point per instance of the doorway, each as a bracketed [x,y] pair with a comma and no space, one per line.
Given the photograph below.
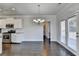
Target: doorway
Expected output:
[46,32]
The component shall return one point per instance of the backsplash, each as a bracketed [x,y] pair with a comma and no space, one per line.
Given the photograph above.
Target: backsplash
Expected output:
[16,30]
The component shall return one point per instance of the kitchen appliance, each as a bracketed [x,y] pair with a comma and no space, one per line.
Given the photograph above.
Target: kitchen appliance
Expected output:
[11,31]
[0,30]
[6,38]
[9,25]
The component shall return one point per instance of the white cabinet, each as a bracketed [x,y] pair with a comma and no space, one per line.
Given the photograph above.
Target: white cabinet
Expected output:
[13,38]
[2,23]
[16,38]
[17,22]
[0,38]
[9,21]
[0,43]
[0,47]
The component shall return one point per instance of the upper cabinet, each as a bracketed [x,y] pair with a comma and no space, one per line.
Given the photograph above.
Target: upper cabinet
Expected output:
[17,23]
[2,23]
[9,21]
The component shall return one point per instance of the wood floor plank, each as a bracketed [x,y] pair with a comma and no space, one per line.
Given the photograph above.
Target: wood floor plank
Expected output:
[35,49]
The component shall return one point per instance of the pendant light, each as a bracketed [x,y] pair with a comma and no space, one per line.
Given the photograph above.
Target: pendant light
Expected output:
[38,19]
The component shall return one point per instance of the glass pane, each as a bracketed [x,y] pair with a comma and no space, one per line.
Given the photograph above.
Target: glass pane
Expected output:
[72,33]
[63,32]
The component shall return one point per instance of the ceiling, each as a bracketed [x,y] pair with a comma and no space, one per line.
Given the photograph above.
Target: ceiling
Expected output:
[30,8]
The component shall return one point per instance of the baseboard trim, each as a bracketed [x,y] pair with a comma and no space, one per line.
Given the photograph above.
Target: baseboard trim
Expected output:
[35,41]
[11,43]
[15,43]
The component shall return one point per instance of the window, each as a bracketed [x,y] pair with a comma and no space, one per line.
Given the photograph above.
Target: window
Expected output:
[72,33]
[63,32]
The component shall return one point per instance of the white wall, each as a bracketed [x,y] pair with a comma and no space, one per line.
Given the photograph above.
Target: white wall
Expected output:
[34,32]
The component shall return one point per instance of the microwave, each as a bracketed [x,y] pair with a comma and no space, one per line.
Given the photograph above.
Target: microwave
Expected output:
[9,25]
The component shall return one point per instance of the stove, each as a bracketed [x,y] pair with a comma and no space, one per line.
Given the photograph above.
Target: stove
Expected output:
[6,38]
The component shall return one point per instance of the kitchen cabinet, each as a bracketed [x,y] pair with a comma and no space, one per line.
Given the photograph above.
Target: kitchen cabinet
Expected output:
[2,23]
[0,43]
[16,38]
[0,38]
[13,38]
[0,47]
[17,22]
[9,21]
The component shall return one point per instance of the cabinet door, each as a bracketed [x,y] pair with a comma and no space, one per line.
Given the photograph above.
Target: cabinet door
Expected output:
[2,23]
[9,21]
[13,37]
[18,23]
[16,38]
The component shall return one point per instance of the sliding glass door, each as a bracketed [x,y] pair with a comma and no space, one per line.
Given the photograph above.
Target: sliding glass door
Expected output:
[69,37]
[63,32]
[72,33]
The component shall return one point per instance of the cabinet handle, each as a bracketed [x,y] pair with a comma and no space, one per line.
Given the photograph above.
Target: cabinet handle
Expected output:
[77,36]
[77,33]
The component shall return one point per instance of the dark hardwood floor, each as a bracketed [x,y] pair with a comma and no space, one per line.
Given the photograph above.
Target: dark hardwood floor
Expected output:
[35,49]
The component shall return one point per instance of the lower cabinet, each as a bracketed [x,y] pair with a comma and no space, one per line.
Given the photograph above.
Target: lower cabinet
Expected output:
[0,47]
[16,38]
[0,43]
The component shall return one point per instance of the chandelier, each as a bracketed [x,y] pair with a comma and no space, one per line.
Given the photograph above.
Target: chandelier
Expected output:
[37,19]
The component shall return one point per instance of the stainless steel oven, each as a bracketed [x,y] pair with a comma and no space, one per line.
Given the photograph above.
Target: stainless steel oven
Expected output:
[6,38]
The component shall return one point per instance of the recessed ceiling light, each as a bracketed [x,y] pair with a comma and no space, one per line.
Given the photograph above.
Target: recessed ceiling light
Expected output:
[13,8]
